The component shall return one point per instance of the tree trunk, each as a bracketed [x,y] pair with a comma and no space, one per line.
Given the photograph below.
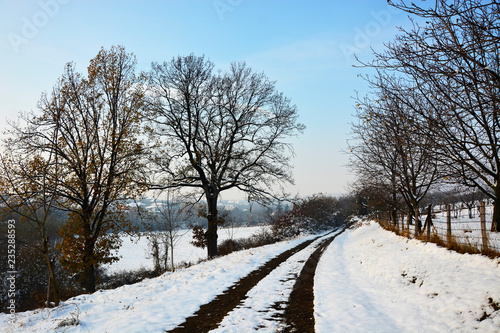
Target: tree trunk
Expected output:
[495,226]
[414,210]
[394,201]
[48,292]
[418,225]
[402,222]
[88,266]
[52,281]
[89,275]
[428,222]
[394,216]
[172,267]
[212,225]
[52,275]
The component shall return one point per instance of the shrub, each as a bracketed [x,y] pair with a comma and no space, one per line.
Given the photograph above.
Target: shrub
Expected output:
[315,214]
[228,246]
[124,277]
[199,236]
[261,238]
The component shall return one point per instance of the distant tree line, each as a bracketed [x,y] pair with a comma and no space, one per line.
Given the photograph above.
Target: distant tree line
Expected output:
[431,121]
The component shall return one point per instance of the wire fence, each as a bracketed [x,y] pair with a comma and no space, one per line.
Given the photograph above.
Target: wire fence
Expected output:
[464,229]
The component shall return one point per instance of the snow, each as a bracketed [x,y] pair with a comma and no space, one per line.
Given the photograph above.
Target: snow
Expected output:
[372,280]
[467,230]
[133,252]
[368,279]
[259,308]
[153,305]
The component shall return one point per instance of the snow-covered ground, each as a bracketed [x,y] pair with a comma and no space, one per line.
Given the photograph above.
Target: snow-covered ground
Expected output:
[134,251]
[368,280]
[371,280]
[259,308]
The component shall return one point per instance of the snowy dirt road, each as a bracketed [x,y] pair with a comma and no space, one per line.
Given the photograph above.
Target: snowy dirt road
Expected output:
[272,310]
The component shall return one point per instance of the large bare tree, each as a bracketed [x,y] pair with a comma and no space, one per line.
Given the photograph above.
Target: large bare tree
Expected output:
[221,131]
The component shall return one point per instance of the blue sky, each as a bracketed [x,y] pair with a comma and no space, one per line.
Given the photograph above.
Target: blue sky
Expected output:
[306,46]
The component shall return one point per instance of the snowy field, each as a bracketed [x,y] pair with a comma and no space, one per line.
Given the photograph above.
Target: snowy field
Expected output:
[134,251]
[368,280]
[468,230]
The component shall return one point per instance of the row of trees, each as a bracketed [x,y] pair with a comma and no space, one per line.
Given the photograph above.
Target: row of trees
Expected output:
[102,140]
[432,117]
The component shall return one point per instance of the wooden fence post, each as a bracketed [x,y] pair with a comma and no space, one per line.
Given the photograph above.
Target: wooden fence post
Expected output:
[402,222]
[417,223]
[448,224]
[403,228]
[428,221]
[483,225]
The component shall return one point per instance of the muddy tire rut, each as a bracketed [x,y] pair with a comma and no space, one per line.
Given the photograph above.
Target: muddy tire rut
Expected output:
[299,312]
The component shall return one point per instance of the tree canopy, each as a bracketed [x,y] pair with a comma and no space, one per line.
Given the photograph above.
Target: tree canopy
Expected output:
[220,131]
[89,130]
[444,74]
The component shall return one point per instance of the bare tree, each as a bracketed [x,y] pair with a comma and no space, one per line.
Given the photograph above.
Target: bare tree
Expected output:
[222,131]
[452,57]
[393,146]
[374,157]
[98,151]
[171,215]
[470,198]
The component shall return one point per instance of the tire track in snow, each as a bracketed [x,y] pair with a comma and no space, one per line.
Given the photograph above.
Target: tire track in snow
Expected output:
[299,313]
[264,306]
[211,314]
